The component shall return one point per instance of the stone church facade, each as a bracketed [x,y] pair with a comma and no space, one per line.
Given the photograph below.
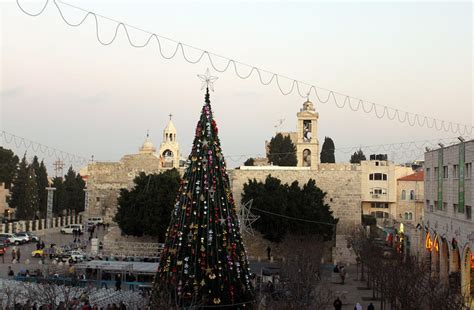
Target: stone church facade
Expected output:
[341,181]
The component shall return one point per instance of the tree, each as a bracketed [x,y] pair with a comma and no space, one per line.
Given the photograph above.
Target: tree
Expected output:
[204,260]
[146,208]
[28,209]
[281,151]
[42,182]
[74,191]
[278,205]
[60,199]
[327,151]
[357,157]
[8,166]
[249,162]
[17,199]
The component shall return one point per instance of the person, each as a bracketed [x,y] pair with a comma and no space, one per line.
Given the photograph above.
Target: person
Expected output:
[13,254]
[95,307]
[336,269]
[10,272]
[122,306]
[118,282]
[337,304]
[358,306]
[27,273]
[42,245]
[18,254]
[371,307]
[269,252]
[342,273]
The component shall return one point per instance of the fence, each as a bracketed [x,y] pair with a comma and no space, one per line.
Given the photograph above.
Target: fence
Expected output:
[42,225]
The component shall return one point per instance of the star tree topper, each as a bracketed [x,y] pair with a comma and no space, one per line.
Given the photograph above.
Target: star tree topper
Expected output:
[207,80]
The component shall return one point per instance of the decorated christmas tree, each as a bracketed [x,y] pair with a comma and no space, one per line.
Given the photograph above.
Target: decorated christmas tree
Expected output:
[204,262]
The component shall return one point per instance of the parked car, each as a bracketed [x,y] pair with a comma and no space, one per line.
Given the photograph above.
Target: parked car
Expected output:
[95,221]
[33,237]
[24,238]
[5,240]
[12,238]
[3,248]
[37,253]
[68,229]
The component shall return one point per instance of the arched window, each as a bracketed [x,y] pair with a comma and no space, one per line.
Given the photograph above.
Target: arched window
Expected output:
[166,137]
[306,158]
[412,195]
[410,216]
[406,216]
[404,195]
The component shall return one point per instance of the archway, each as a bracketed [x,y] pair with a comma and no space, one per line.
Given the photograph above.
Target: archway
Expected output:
[428,248]
[444,262]
[306,158]
[467,274]
[455,267]
[435,258]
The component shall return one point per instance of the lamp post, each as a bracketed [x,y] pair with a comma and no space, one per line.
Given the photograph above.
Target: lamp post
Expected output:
[49,206]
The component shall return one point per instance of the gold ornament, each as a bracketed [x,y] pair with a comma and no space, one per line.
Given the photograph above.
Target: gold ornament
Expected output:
[217,301]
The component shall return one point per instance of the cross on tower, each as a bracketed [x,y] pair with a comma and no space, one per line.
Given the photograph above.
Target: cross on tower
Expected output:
[170,115]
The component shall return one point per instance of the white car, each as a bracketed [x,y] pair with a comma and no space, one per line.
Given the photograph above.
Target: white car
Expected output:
[24,237]
[95,221]
[68,229]
[13,239]
[77,256]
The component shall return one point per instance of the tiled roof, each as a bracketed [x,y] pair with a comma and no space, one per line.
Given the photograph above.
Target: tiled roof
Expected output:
[417,176]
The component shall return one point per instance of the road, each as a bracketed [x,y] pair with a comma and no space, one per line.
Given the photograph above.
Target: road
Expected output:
[27,262]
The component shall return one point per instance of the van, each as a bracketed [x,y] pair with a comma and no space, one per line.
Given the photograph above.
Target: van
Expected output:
[68,229]
[95,221]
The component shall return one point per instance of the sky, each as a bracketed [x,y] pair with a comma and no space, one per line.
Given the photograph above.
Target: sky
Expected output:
[62,88]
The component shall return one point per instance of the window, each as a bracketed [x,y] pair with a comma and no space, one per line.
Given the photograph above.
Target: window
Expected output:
[97,199]
[435,204]
[445,206]
[376,163]
[468,170]
[379,205]
[427,175]
[380,214]
[371,176]
[436,173]
[468,212]
[460,210]
[404,195]
[455,171]
[455,208]
[412,195]
[445,172]
[378,176]
[408,216]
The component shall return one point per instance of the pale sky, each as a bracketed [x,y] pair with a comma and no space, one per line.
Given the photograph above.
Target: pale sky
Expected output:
[59,86]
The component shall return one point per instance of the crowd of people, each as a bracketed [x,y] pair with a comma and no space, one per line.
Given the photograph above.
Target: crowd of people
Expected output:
[75,304]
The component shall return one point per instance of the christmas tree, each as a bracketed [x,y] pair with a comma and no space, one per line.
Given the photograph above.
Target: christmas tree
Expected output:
[204,262]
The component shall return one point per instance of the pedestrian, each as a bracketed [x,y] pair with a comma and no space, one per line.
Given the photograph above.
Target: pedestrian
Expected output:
[11,274]
[42,245]
[358,306]
[18,253]
[269,252]
[337,304]
[13,254]
[342,273]
[122,306]
[118,282]
[371,307]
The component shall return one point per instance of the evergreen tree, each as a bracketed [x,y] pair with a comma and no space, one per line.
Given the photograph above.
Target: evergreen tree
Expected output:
[60,199]
[286,202]
[146,208]
[42,183]
[204,261]
[249,162]
[281,151]
[73,192]
[8,166]
[17,198]
[28,209]
[357,157]
[327,151]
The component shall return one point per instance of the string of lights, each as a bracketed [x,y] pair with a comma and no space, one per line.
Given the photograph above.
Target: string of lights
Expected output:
[265,77]
[293,218]
[408,149]
[39,148]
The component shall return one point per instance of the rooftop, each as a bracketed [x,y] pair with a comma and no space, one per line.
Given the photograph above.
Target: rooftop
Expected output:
[417,176]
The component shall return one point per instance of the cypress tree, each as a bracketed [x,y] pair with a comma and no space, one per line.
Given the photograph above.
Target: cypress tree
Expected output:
[327,151]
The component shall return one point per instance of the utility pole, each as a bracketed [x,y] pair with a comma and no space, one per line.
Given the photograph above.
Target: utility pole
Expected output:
[49,206]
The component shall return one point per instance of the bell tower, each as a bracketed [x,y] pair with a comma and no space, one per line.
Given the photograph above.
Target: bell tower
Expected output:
[169,148]
[307,145]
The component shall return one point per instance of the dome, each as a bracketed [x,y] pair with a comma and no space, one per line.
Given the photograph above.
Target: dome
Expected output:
[147,146]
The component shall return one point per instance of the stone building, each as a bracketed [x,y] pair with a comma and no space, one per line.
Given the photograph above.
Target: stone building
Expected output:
[5,210]
[448,240]
[379,188]
[410,198]
[105,179]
